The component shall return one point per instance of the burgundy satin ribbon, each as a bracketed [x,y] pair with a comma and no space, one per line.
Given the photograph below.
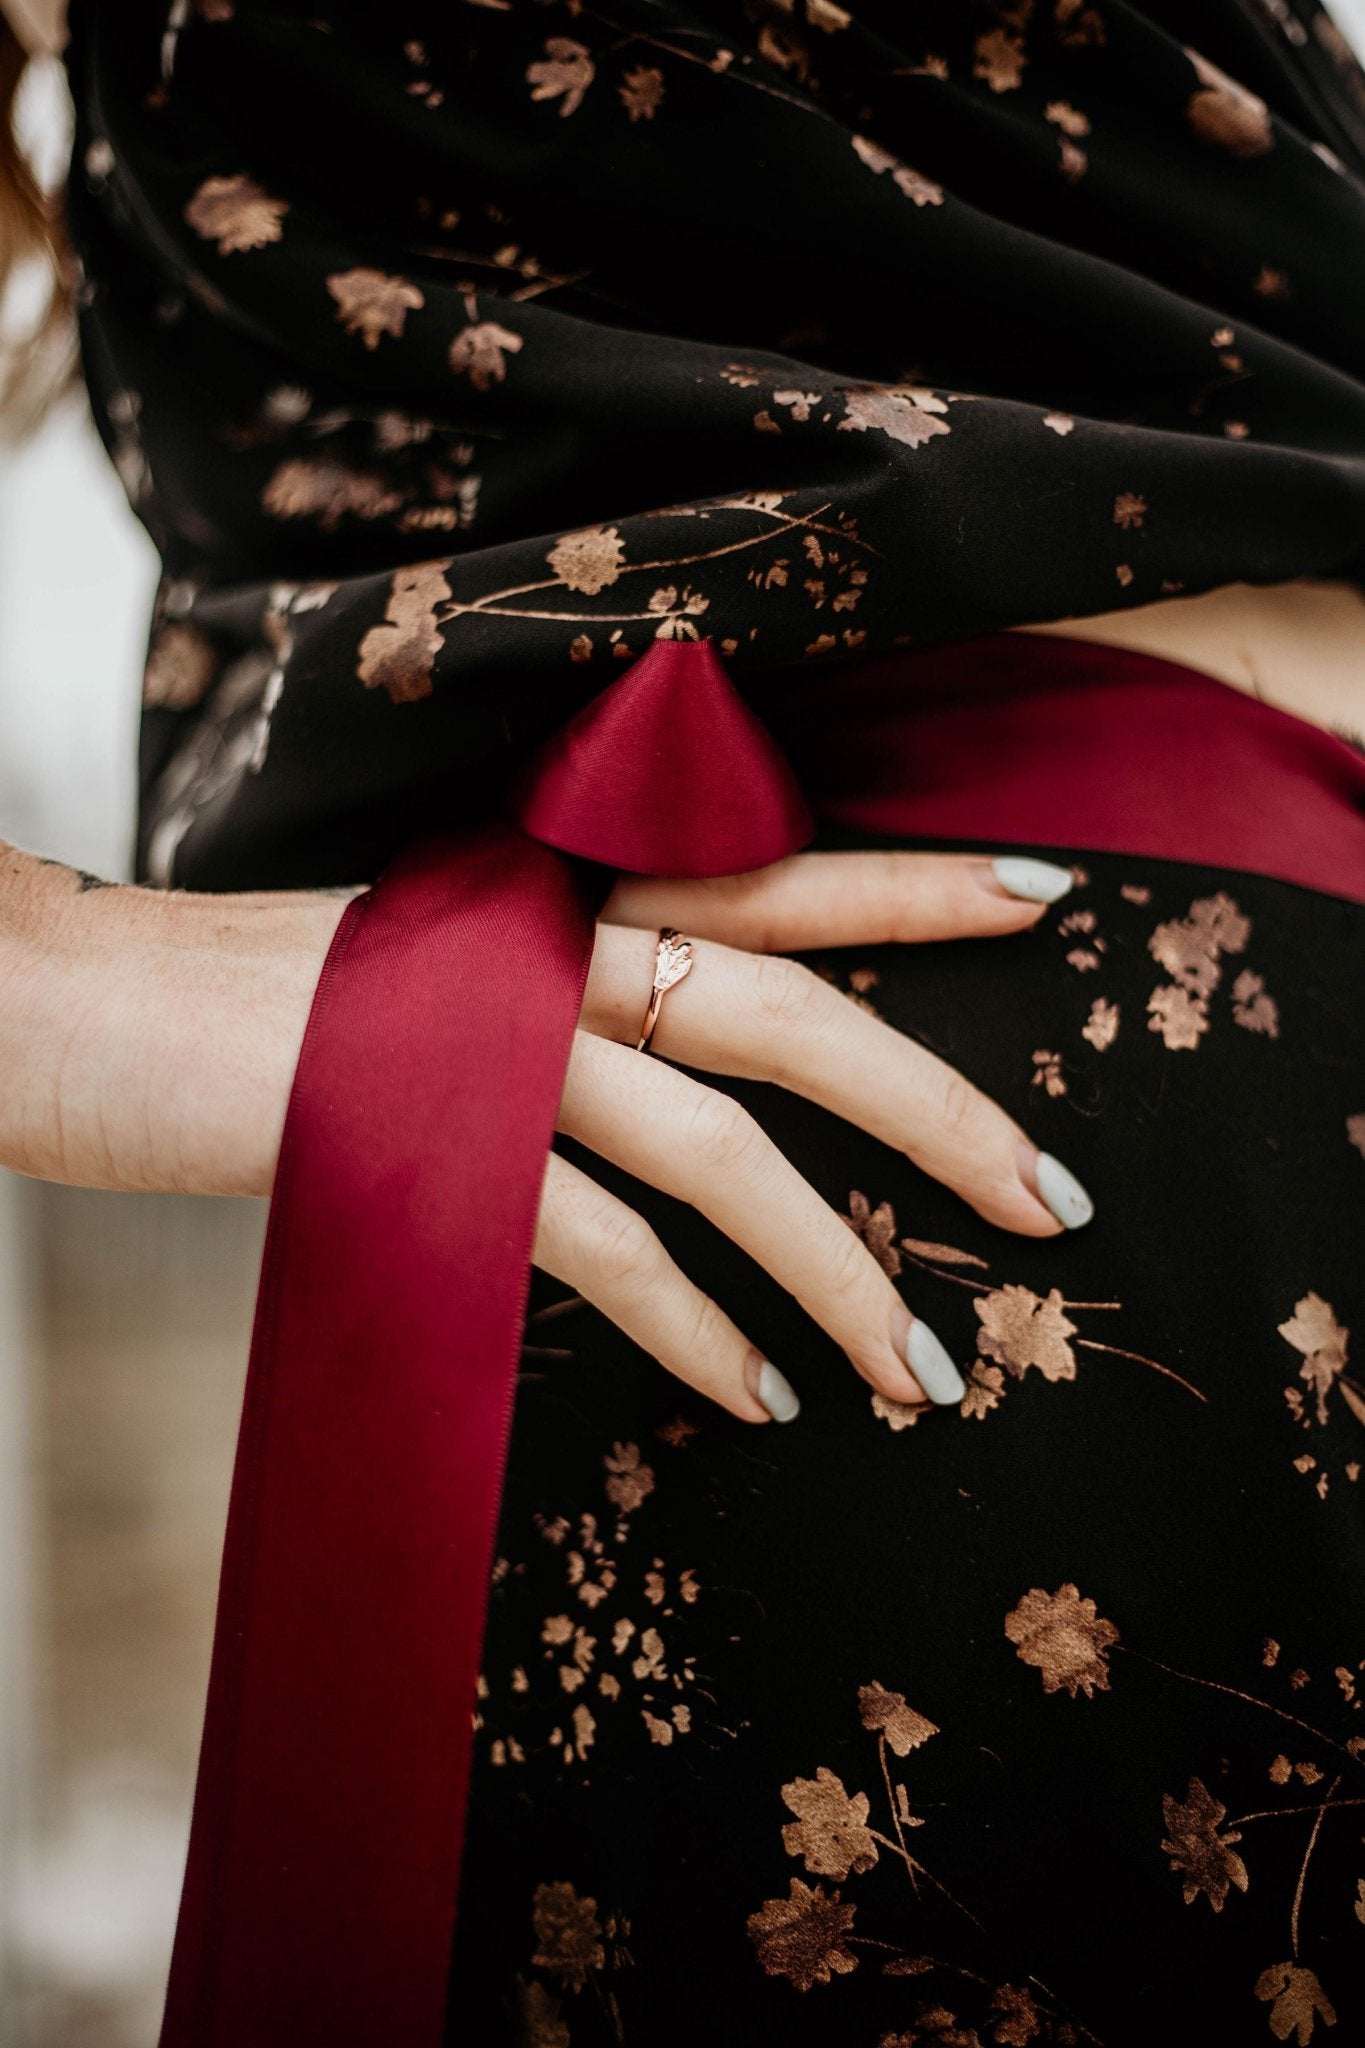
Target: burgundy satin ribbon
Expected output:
[325,1847]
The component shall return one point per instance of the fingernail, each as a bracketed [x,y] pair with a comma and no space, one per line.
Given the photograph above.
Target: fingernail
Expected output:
[771,1388]
[932,1366]
[1062,1192]
[1037,881]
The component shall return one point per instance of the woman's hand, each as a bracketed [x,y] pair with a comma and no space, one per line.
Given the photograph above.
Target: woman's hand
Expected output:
[742,1012]
[149,1040]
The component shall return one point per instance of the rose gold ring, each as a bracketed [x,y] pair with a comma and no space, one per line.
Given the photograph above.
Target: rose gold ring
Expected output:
[672,960]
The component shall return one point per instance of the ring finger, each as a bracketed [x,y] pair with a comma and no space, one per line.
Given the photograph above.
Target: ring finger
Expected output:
[701,1146]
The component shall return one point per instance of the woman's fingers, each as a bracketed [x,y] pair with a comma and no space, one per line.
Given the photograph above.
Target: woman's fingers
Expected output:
[850,899]
[702,1147]
[770,1019]
[607,1253]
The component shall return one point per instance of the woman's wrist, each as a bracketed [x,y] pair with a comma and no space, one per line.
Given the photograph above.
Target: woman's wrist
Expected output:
[149,1038]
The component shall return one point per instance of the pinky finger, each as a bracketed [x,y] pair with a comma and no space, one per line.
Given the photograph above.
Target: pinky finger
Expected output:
[607,1253]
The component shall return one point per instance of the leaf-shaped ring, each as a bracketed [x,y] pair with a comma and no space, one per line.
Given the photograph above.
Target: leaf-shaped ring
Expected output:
[672,960]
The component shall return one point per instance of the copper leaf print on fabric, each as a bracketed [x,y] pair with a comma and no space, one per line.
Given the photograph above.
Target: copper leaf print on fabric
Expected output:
[181,666]
[1298,2002]
[1101,1028]
[905,413]
[922,190]
[1064,1637]
[564,73]
[327,493]
[1195,1847]
[641,91]
[1226,114]
[799,1937]
[886,1713]
[999,58]
[985,1390]
[1314,1330]
[877,1228]
[568,1934]
[590,560]
[830,1830]
[537,2016]
[236,213]
[1252,1008]
[629,1479]
[1019,1329]
[480,353]
[370,303]
[398,655]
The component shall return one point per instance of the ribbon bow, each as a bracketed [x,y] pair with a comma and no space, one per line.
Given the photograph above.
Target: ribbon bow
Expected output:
[325,1849]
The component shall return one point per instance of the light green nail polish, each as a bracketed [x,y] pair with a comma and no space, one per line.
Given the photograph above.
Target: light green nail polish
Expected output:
[1062,1192]
[1037,881]
[776,1393]
[932,1366]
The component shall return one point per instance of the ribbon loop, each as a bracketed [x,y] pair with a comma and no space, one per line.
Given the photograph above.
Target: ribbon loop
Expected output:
[666,772]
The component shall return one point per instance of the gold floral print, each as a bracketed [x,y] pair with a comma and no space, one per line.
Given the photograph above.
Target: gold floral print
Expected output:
[1066,117]
[1270,283]
[998,57]
[641,91]
[1061,423]
[398,656]
[1299,2002]
[564,73]
[877,1228]
[371,303]
[830,1831]
[1065,1637]
[1020,1329]
[1252,1008]
[180,669]
[1180,1018]
[903,412]
[537,2016]
[1209,1862]
[899,1415]
[1047,1072]
[985,1390]
[1101,1028]
[480,352]
[236,213]
[886,1713]
[630,1480]
[799,1937]
[1226,114]
[327,492]
[1130,510]
[1314,1330]
[568,1934]
[589,560]
[913,184]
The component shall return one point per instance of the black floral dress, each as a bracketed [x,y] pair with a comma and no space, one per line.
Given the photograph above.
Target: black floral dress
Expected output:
[1040,1720]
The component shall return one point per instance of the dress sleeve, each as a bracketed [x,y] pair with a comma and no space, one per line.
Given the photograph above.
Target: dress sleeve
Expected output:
[452,356]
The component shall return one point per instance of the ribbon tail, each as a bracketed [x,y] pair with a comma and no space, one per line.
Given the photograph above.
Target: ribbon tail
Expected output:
[325,1847]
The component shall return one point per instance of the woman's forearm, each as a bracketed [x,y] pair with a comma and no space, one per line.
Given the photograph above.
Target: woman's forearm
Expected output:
[148,1039]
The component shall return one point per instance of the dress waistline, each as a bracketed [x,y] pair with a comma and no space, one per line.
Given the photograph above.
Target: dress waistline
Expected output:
[325,1847]
[1049,741]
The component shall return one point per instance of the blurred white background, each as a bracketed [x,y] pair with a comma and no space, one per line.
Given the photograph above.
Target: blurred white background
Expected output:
[124,1324]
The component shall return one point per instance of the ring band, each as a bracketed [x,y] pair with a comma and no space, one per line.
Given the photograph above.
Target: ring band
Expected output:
[672,960]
